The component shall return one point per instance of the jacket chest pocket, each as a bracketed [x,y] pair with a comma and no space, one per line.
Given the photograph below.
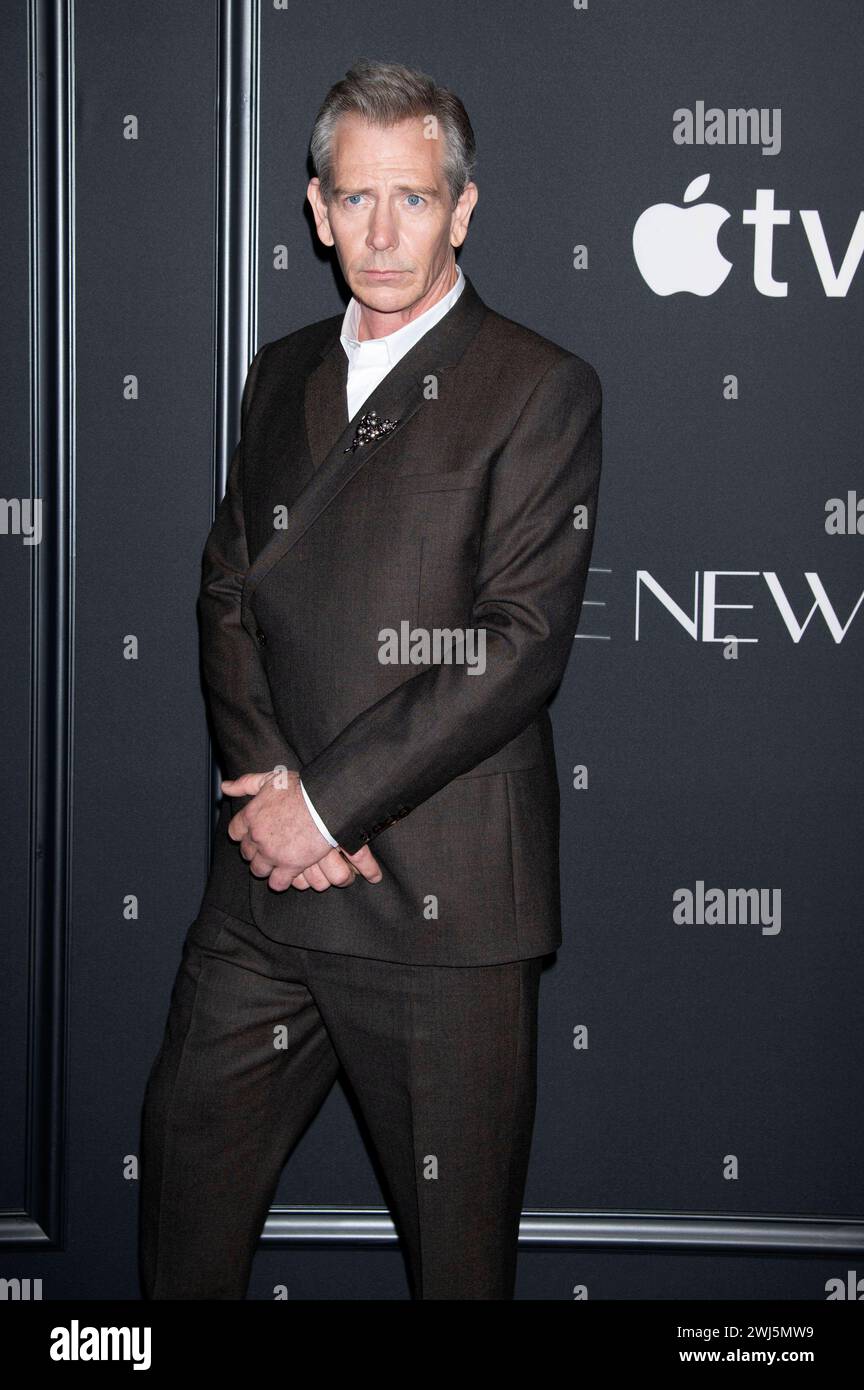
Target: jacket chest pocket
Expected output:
[409,481]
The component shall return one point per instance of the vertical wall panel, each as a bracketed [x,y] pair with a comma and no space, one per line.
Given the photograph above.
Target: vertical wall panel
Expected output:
[17,562]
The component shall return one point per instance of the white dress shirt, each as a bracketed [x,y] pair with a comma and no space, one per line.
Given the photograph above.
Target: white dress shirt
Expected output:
[368,364]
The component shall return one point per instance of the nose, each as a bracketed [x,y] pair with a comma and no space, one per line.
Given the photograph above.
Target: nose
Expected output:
[382,228]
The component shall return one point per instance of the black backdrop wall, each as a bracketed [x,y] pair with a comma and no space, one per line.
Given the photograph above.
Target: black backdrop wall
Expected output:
[699,1076]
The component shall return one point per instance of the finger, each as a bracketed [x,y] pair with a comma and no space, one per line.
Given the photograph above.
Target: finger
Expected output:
[248,848]
[336,870]
[299,882]
[253,854]
[365,863]
[280,879]
[258,863]
[316,878]
[261,867]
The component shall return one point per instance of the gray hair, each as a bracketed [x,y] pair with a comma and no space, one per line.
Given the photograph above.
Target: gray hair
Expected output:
[384,94]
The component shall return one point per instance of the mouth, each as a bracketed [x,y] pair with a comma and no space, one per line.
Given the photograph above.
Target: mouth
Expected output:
[382,274]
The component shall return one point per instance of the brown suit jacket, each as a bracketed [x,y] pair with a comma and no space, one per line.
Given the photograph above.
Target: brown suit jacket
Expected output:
[461,517]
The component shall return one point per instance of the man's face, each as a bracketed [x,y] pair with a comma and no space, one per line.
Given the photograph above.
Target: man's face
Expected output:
[390,212]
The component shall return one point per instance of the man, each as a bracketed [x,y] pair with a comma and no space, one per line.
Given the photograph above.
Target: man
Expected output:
[419,465]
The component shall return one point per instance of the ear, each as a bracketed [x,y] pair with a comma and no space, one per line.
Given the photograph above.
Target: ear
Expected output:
[319,209]
[462,214]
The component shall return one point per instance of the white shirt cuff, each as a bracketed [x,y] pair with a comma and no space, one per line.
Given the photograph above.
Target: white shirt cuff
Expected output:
[317,819]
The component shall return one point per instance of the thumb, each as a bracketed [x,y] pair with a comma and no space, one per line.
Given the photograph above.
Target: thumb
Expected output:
[247,785]
[364,860]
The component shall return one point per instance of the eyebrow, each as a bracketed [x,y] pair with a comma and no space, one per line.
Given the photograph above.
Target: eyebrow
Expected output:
[343,192]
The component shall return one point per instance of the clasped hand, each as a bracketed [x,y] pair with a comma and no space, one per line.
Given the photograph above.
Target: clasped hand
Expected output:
[281,842]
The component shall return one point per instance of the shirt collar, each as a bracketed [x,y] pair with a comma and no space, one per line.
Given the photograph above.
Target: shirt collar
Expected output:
[387,351]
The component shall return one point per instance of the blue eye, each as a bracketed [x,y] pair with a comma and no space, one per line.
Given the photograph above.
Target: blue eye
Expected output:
[415,195]
[353,195]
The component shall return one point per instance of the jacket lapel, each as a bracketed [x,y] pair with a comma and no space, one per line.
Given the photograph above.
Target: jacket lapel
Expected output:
[398,396]
[326,406]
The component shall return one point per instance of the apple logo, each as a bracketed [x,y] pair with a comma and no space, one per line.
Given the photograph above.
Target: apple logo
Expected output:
[676,248]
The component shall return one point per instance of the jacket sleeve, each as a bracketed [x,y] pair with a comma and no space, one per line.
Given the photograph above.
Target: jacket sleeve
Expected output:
[246,732]
[528,589]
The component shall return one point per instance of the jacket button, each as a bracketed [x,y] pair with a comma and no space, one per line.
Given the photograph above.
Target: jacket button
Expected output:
[262,637]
